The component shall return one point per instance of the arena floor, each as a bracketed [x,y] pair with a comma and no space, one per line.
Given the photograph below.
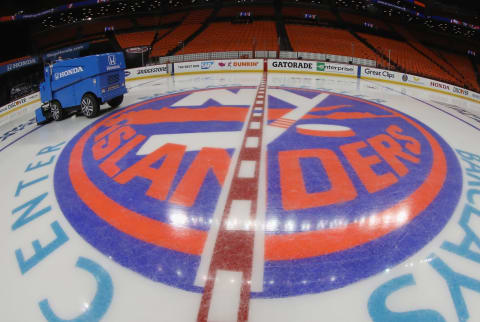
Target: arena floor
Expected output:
[234,197]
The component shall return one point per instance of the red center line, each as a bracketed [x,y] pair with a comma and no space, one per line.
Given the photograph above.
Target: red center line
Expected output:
[233,250]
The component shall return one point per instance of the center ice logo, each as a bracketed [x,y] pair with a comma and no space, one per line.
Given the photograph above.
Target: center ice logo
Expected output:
[348,182]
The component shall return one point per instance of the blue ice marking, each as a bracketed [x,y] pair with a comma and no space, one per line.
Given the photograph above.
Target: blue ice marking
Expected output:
[454,281]
[41,252]
[101,302]
[379,312]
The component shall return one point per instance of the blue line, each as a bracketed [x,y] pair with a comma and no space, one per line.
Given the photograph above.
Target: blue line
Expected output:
[435,107]
[39,126]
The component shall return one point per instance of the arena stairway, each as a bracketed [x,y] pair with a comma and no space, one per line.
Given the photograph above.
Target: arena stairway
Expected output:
[281,31]
[382,58]
[205,24]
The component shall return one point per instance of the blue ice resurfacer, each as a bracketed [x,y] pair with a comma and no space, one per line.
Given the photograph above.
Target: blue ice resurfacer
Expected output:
[81,83]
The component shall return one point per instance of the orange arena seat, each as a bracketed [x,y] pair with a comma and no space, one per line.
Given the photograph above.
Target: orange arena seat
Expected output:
[428,52]
[197,16]
[328,41]
[135,39]
[173,39]
[223,36]
[410,60]
[464,67]
[191,23]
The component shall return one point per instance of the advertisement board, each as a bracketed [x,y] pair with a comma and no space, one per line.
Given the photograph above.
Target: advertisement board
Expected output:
[19,107]
[376,73]
[19,64]
[225,65]
[417,81]
[306,66]
[137,50]
[413,80]
[331,68]
[67,52]
[145,72]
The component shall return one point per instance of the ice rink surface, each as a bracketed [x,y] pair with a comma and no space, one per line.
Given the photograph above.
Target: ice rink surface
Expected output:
[244,196]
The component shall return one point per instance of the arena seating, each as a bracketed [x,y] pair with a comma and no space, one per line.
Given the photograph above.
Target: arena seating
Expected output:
[135,39]
[224,36]
[340,42]
[173,39]
[428,52]
[410,60]
[425,53]
[162,32]
[191,23]
[197,16]
[464,66]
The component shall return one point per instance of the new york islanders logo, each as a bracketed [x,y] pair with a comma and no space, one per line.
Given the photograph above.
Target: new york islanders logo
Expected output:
[350,185]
